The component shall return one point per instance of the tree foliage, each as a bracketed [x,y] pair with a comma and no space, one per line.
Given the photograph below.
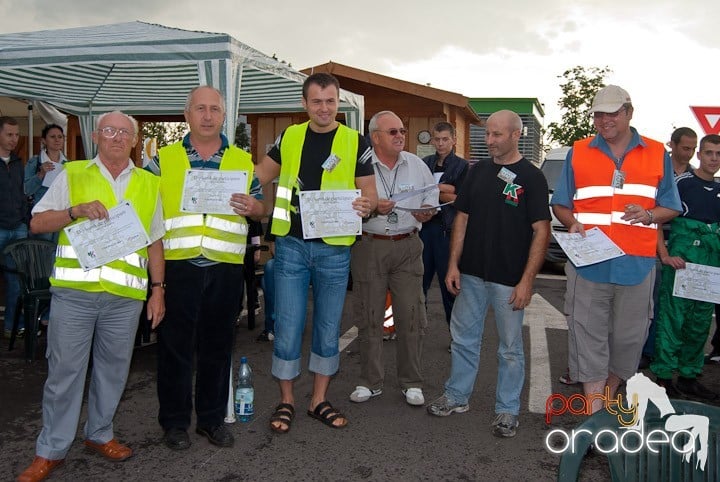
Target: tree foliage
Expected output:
[578,89]
[242,140]
[165,132]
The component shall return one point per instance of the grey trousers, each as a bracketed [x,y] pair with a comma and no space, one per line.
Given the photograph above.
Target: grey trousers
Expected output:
[75,316]
[378,265]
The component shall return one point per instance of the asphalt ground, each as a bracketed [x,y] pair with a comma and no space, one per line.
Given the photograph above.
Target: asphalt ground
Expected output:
[386,439]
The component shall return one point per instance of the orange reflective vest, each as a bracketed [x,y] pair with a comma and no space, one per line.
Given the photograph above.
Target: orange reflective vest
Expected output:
[598,203]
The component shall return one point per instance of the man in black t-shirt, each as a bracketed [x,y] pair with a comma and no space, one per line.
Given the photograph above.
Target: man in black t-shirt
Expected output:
[320,154]
[503,221]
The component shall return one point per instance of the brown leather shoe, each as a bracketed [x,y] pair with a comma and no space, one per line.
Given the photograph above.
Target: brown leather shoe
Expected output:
[39,469]
[112,450]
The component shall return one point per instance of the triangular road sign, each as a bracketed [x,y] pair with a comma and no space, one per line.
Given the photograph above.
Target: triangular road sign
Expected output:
[708,117]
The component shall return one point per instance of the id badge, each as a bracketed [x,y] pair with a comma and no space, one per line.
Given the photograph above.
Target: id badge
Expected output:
[618,180]
[392,218]
[330,162]
[507,175]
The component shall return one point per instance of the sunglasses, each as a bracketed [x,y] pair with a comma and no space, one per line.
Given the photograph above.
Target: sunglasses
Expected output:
[393,132]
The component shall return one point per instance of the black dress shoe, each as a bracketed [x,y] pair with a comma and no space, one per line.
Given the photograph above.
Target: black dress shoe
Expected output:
[669,386]
[177,439]
[219,435]
[692,388]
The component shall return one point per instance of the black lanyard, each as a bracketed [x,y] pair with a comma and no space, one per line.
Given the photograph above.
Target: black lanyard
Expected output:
[390,191]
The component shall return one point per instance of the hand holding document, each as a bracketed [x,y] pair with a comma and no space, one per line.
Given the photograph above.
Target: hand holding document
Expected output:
[329,213]
[52,173]
[698,282]
[100,241]
[593,248]
[208,191]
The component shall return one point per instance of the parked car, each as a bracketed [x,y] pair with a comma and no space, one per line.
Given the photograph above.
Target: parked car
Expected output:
[552,167]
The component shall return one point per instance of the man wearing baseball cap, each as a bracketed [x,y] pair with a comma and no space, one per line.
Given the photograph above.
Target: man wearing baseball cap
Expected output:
[621,183]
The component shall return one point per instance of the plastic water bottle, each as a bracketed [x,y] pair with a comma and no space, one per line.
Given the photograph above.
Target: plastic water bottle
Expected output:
[244,393]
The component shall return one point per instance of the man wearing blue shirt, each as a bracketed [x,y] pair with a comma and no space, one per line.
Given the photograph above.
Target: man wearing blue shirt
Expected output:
[621,183]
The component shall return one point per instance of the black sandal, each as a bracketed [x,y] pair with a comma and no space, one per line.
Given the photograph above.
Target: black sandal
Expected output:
[327,414]
[284,413]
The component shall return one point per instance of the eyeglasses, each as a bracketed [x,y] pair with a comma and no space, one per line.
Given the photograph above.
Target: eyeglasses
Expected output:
[111,132]
[393,132]
[611,115]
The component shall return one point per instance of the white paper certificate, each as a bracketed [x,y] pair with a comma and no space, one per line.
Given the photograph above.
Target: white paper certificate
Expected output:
[52,174]
[329,213]
[208,191]
[99,241]
[698,282]
[408,194]
[593,248]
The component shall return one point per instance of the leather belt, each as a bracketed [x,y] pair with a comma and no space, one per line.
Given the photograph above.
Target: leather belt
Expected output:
[391,237]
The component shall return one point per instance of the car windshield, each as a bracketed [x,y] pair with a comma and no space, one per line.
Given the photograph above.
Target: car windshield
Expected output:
[552,169]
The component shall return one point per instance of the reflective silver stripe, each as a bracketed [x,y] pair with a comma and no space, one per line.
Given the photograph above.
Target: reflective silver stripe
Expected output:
[593,191]
[281,214]
[133,259]
[600,219]
[182,243]
[184,222]
[283,193]
[594,218]
[76,274]
[225,225]
[65,252]
[642,190]
[223,246]
[120,278]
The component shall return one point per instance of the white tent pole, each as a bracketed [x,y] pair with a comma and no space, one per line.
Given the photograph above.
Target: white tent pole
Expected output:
[30,130]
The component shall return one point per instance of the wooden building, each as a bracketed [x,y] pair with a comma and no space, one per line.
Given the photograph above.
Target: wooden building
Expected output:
[419,107]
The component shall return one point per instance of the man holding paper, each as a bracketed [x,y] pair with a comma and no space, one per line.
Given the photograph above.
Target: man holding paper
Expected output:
[318,155]
[96,309]
[389,257]
[622,183]
[682,325]
[204,248]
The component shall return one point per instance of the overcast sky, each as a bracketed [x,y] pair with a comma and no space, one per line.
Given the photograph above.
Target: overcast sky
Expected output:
[666,54]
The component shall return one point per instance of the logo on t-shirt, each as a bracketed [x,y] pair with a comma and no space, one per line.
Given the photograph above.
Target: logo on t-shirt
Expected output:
[512,193]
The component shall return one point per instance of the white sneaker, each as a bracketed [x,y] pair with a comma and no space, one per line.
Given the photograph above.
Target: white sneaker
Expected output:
[363,394]
[414,396]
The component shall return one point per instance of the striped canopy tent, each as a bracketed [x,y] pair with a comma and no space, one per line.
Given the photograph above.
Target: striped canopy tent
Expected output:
[148,69]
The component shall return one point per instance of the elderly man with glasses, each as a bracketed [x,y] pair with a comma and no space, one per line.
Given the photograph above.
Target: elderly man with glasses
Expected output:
[622,183]
[96,309]
[389,257]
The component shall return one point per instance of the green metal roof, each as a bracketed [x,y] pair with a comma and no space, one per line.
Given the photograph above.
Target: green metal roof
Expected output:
[521,105]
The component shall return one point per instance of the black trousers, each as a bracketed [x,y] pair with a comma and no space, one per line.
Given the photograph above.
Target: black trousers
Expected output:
[201,308]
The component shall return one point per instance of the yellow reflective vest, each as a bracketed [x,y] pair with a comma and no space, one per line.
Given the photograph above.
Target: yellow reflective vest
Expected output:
[344,146]
[126,277]
[218,237]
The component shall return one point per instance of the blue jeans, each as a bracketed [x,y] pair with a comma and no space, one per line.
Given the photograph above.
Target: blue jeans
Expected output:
[436,253]
[268,286]
[12,290]
[299,263]
[466,328]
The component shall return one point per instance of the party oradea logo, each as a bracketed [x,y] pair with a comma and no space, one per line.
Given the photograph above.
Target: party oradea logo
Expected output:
[632,437]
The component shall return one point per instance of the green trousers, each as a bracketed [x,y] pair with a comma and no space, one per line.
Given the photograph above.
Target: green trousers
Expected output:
[682,325]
